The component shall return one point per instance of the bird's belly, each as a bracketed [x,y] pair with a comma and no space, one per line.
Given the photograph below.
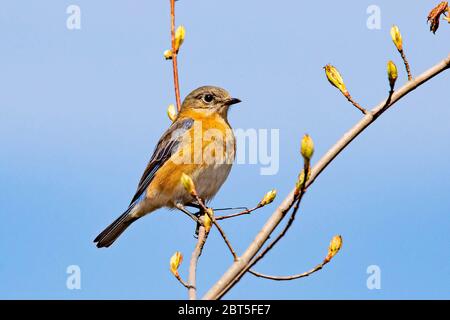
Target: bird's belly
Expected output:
[208,179]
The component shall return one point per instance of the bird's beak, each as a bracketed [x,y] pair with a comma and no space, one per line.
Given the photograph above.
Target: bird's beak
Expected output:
[231,101]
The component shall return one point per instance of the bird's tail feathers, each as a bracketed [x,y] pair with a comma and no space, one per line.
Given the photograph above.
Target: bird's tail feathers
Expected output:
[115,229]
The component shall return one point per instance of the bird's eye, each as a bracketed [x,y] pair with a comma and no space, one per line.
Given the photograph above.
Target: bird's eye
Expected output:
[208,98]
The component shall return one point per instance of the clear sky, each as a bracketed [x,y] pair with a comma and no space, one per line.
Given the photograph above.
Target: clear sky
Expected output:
[81,111]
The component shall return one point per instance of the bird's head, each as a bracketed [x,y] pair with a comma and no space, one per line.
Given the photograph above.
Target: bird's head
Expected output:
[209,99]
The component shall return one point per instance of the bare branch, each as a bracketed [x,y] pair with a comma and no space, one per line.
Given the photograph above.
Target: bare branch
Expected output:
[234,272]
[333,249]
[356,104]
[185,284]
[406,63]
[202,236]
[291,277]
[244,212]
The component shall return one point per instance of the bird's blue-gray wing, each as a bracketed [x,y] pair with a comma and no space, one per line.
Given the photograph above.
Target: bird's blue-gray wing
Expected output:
[167,145]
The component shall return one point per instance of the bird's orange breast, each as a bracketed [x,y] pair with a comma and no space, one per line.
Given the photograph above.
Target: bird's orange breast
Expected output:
[206,153]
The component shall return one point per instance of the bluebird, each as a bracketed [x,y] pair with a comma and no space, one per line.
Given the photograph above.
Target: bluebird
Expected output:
[199,143]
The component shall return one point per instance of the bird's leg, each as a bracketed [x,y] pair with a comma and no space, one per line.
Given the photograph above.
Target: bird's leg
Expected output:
[180,207]
[198,214]
[201,207]
[196,206]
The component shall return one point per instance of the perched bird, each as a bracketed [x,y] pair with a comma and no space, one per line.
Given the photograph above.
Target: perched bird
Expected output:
[199,143]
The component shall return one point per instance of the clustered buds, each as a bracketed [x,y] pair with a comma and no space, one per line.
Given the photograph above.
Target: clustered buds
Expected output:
[179,37]
[268,198]
[334,247]
[435,15]
[172,112]
[307,148]
[188,183]
[335,78]
[392,73]
[397,37]
[175,262]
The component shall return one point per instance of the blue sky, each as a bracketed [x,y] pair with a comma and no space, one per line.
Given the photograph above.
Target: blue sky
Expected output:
[81,110]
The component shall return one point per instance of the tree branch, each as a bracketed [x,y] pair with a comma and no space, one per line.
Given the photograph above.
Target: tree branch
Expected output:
[234,272]
[202,236]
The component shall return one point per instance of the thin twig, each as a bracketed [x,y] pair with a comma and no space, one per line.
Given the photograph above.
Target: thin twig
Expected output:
[202,236]
[174,56]
[230,208]
[405,61]
[388,100]
[185,284]
[224,236]
[356,104]
[222,233]
[244,212]
[291,277]
[232,275]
